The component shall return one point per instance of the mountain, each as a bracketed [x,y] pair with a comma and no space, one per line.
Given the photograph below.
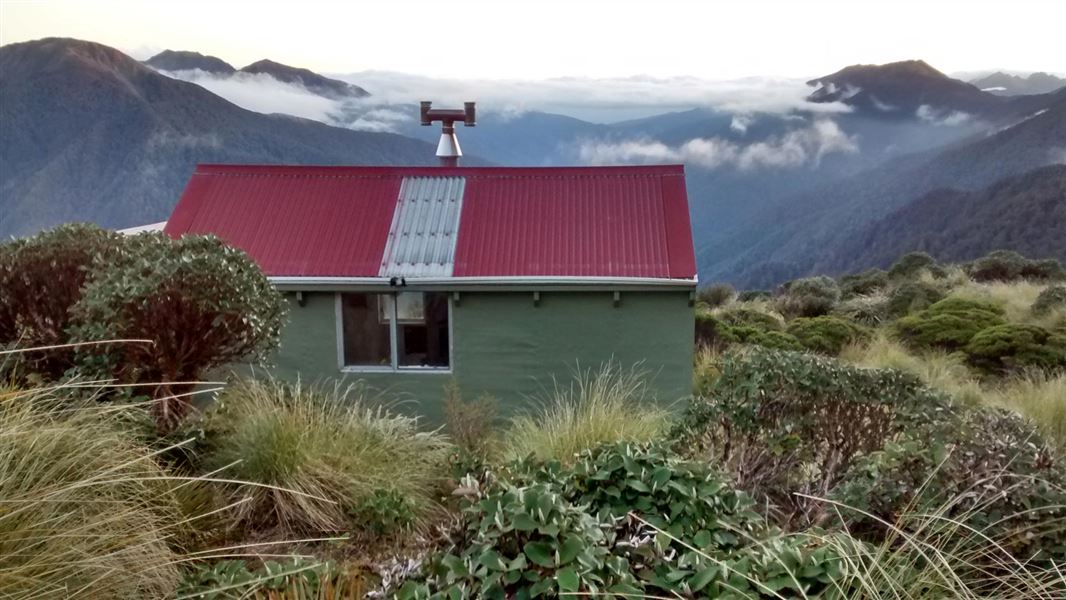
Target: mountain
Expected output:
[92,135]
[1004,84]
[182,60]
[313,82]
[1025,213]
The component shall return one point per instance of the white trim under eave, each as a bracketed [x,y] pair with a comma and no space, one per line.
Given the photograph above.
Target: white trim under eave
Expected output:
[294,283]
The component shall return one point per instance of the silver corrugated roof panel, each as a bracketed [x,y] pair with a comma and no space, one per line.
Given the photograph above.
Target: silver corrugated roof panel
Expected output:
[424,230]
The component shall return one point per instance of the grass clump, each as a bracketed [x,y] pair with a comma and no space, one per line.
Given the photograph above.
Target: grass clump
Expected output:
[1039,397]
[939,370]
[608,405]
[326,458]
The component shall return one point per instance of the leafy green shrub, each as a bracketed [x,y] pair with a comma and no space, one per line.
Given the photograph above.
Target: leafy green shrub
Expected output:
[868,282]
[912,296]
[910,265]
[202,303]
[1051,298]
[325,459]
[609,405]
[85,511]
[809,297]
[291,579]
[782,422]
[750,317]
[742,326]
[1012,347]
[1007,265]
[826,335]
[949,324]
[716,295]
[990,470]
[41,277]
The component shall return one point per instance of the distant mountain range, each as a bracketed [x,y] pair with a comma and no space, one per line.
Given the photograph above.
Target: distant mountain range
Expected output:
[1005,84]
[182,60]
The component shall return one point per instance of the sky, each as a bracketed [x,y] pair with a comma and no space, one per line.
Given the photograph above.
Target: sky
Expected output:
[518,39]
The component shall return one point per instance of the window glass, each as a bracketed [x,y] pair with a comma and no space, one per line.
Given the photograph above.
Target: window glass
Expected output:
[422,329]
[366,319]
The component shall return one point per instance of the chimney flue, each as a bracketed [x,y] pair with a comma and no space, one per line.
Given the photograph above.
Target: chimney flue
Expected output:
[448,150]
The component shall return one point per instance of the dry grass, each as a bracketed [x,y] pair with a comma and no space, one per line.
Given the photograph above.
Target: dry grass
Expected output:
[1016,297]
[939,370]
[1041,398]
[608,405]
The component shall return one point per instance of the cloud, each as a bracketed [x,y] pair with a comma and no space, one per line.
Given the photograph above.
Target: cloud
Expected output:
[740,123]
[262,93]
[793,149]
[952,118]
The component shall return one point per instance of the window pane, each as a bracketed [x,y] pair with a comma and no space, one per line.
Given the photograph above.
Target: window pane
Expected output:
[366,329]
[422,334]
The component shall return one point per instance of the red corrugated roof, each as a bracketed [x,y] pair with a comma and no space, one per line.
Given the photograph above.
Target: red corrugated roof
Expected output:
[515,221]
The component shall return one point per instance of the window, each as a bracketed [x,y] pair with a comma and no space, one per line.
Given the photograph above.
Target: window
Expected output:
[405,330]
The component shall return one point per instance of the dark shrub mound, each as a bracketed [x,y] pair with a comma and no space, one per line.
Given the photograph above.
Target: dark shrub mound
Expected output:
[809,297]
[1007,265]
[716,295]
[746,317]
[910,265]
[783,422]
[949,324]
[865,283]
[1050,299]
[749,295]
[826,335]
[912,296]
[742,326]
[990,470]
[1011,347]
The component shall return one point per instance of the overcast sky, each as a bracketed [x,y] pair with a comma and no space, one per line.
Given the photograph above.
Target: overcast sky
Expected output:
[583,38]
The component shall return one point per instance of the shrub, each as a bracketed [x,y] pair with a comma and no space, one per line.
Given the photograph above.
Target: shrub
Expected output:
[85,510]
[750,317]
[753,295]
[1007,265]
[826,335]
[939,370]
[1040,398]
[1011,347]
[865,310]
[810,297]
[470,423]
[326,459]
[41,278]
[716,295]
[202,303]
[949,324]
[910,265]
[1051,298]
[868,282]
[783,422]
[912,296]
[605,406]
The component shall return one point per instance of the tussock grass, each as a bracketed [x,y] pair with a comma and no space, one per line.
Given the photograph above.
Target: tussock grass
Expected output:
[939,370]
[1015,297]
[85,510]
[354,463]
[608,405]
[1039,397]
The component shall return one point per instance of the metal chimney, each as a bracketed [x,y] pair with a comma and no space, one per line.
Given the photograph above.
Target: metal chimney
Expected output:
[448,150]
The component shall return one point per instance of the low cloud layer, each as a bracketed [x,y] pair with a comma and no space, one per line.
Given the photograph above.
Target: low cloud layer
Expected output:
[947,118]
[796,148]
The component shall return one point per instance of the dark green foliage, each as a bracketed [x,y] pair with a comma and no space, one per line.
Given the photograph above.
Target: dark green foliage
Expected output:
[826,335]
[747,317]
[742,326]
[784,421]
[750,295]
[990,469]
[1007,265]
[949,324]
[202,303]
[861,284]
[809,297]
[912,296]
[716,295]
[1013,347]
[41,278]
[910,265]
[1050,299]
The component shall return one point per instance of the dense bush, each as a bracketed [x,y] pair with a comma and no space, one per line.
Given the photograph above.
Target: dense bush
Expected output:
[809,297]
[910,265]
[742,326]
[716,295]
[1007,265]
[784,422]
[912,296]
[1053,297]
[826,335]
[753,295]
[41,278]
[949,324]
[202,304]
[1012,347]
[868,282]
[323,459]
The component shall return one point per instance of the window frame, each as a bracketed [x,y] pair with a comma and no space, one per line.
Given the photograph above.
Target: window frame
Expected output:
[395,366]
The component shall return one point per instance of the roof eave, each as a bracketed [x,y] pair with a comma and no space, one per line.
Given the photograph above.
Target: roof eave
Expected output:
[459,284]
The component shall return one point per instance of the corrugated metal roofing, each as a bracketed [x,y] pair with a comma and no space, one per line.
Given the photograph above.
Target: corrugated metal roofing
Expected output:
[512,222]
[424,228]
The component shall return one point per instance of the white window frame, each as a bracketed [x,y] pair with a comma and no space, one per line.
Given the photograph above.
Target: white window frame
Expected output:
[395,366]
